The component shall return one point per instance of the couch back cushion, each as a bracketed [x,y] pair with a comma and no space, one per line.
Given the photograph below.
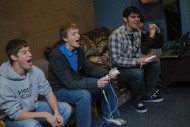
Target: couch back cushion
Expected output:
[43,65]
[100,38]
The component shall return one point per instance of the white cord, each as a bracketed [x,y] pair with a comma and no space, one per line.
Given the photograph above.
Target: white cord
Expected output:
[108,104]
[115,96]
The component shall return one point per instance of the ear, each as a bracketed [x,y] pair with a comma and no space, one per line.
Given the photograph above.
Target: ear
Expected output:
[13,57]
[125,19]
[65,39]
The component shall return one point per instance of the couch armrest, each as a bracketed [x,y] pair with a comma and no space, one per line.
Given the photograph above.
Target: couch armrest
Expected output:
[2,123]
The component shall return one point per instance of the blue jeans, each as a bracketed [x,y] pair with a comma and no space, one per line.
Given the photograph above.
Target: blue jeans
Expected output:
[142,83]
[81,99]
[64,110]
[161,23]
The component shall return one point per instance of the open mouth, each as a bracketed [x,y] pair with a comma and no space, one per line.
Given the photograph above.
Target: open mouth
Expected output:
[29,61]
[78,42]
[137,23]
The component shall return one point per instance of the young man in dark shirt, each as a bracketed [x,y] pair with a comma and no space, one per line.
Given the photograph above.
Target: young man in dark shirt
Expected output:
[152,40]
[65,65]
[153,13]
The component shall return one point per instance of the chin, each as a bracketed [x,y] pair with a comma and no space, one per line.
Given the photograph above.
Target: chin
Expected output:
[29,67]
[135,27]
[77,46]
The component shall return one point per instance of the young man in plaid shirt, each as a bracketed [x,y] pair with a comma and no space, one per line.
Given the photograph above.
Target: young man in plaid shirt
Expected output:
[125,54]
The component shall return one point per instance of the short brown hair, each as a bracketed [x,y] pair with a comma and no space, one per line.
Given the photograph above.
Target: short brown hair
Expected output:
[64,29]
[14,46]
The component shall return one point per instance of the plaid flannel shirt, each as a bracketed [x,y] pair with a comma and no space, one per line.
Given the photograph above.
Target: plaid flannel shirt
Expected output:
[122,51]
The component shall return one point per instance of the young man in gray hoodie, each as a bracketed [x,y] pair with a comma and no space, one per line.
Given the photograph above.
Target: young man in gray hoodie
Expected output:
[20,84]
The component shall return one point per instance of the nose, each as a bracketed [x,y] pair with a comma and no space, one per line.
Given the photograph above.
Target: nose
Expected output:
[137,18]
[30,54]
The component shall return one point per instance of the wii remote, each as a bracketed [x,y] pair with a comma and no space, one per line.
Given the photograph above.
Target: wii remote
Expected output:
[107,76]
[115,72]
[149,59]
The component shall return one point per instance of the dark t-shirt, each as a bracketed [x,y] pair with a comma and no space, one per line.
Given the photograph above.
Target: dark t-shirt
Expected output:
[152,11]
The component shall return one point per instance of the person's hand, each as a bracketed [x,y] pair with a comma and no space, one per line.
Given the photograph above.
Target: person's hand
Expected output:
[60,120]
[141,61]
[145,62]
[152,30]
[52,120]
[102,82]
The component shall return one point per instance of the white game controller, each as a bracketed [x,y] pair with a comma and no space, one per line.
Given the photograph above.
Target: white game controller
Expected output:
[115,72]
[149,59]
[107,76]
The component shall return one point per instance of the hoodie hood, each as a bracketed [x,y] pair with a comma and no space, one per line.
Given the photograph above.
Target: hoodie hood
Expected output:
[7,72]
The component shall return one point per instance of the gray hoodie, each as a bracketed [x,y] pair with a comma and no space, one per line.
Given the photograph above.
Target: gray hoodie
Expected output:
[21,92]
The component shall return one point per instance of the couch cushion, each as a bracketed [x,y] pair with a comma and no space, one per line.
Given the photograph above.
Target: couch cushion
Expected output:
[88,46]
[43,65]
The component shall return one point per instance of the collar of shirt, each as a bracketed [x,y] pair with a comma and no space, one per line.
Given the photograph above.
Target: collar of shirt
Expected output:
[66,51]
[71,56]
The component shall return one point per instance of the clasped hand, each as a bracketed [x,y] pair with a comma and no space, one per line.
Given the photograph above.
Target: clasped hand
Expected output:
[55,120]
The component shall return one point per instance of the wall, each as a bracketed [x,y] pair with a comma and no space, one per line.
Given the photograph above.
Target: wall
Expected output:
[38,21]
[185,15]
[109,12]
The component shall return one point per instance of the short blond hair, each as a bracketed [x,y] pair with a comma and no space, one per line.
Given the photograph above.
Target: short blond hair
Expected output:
[63,31]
